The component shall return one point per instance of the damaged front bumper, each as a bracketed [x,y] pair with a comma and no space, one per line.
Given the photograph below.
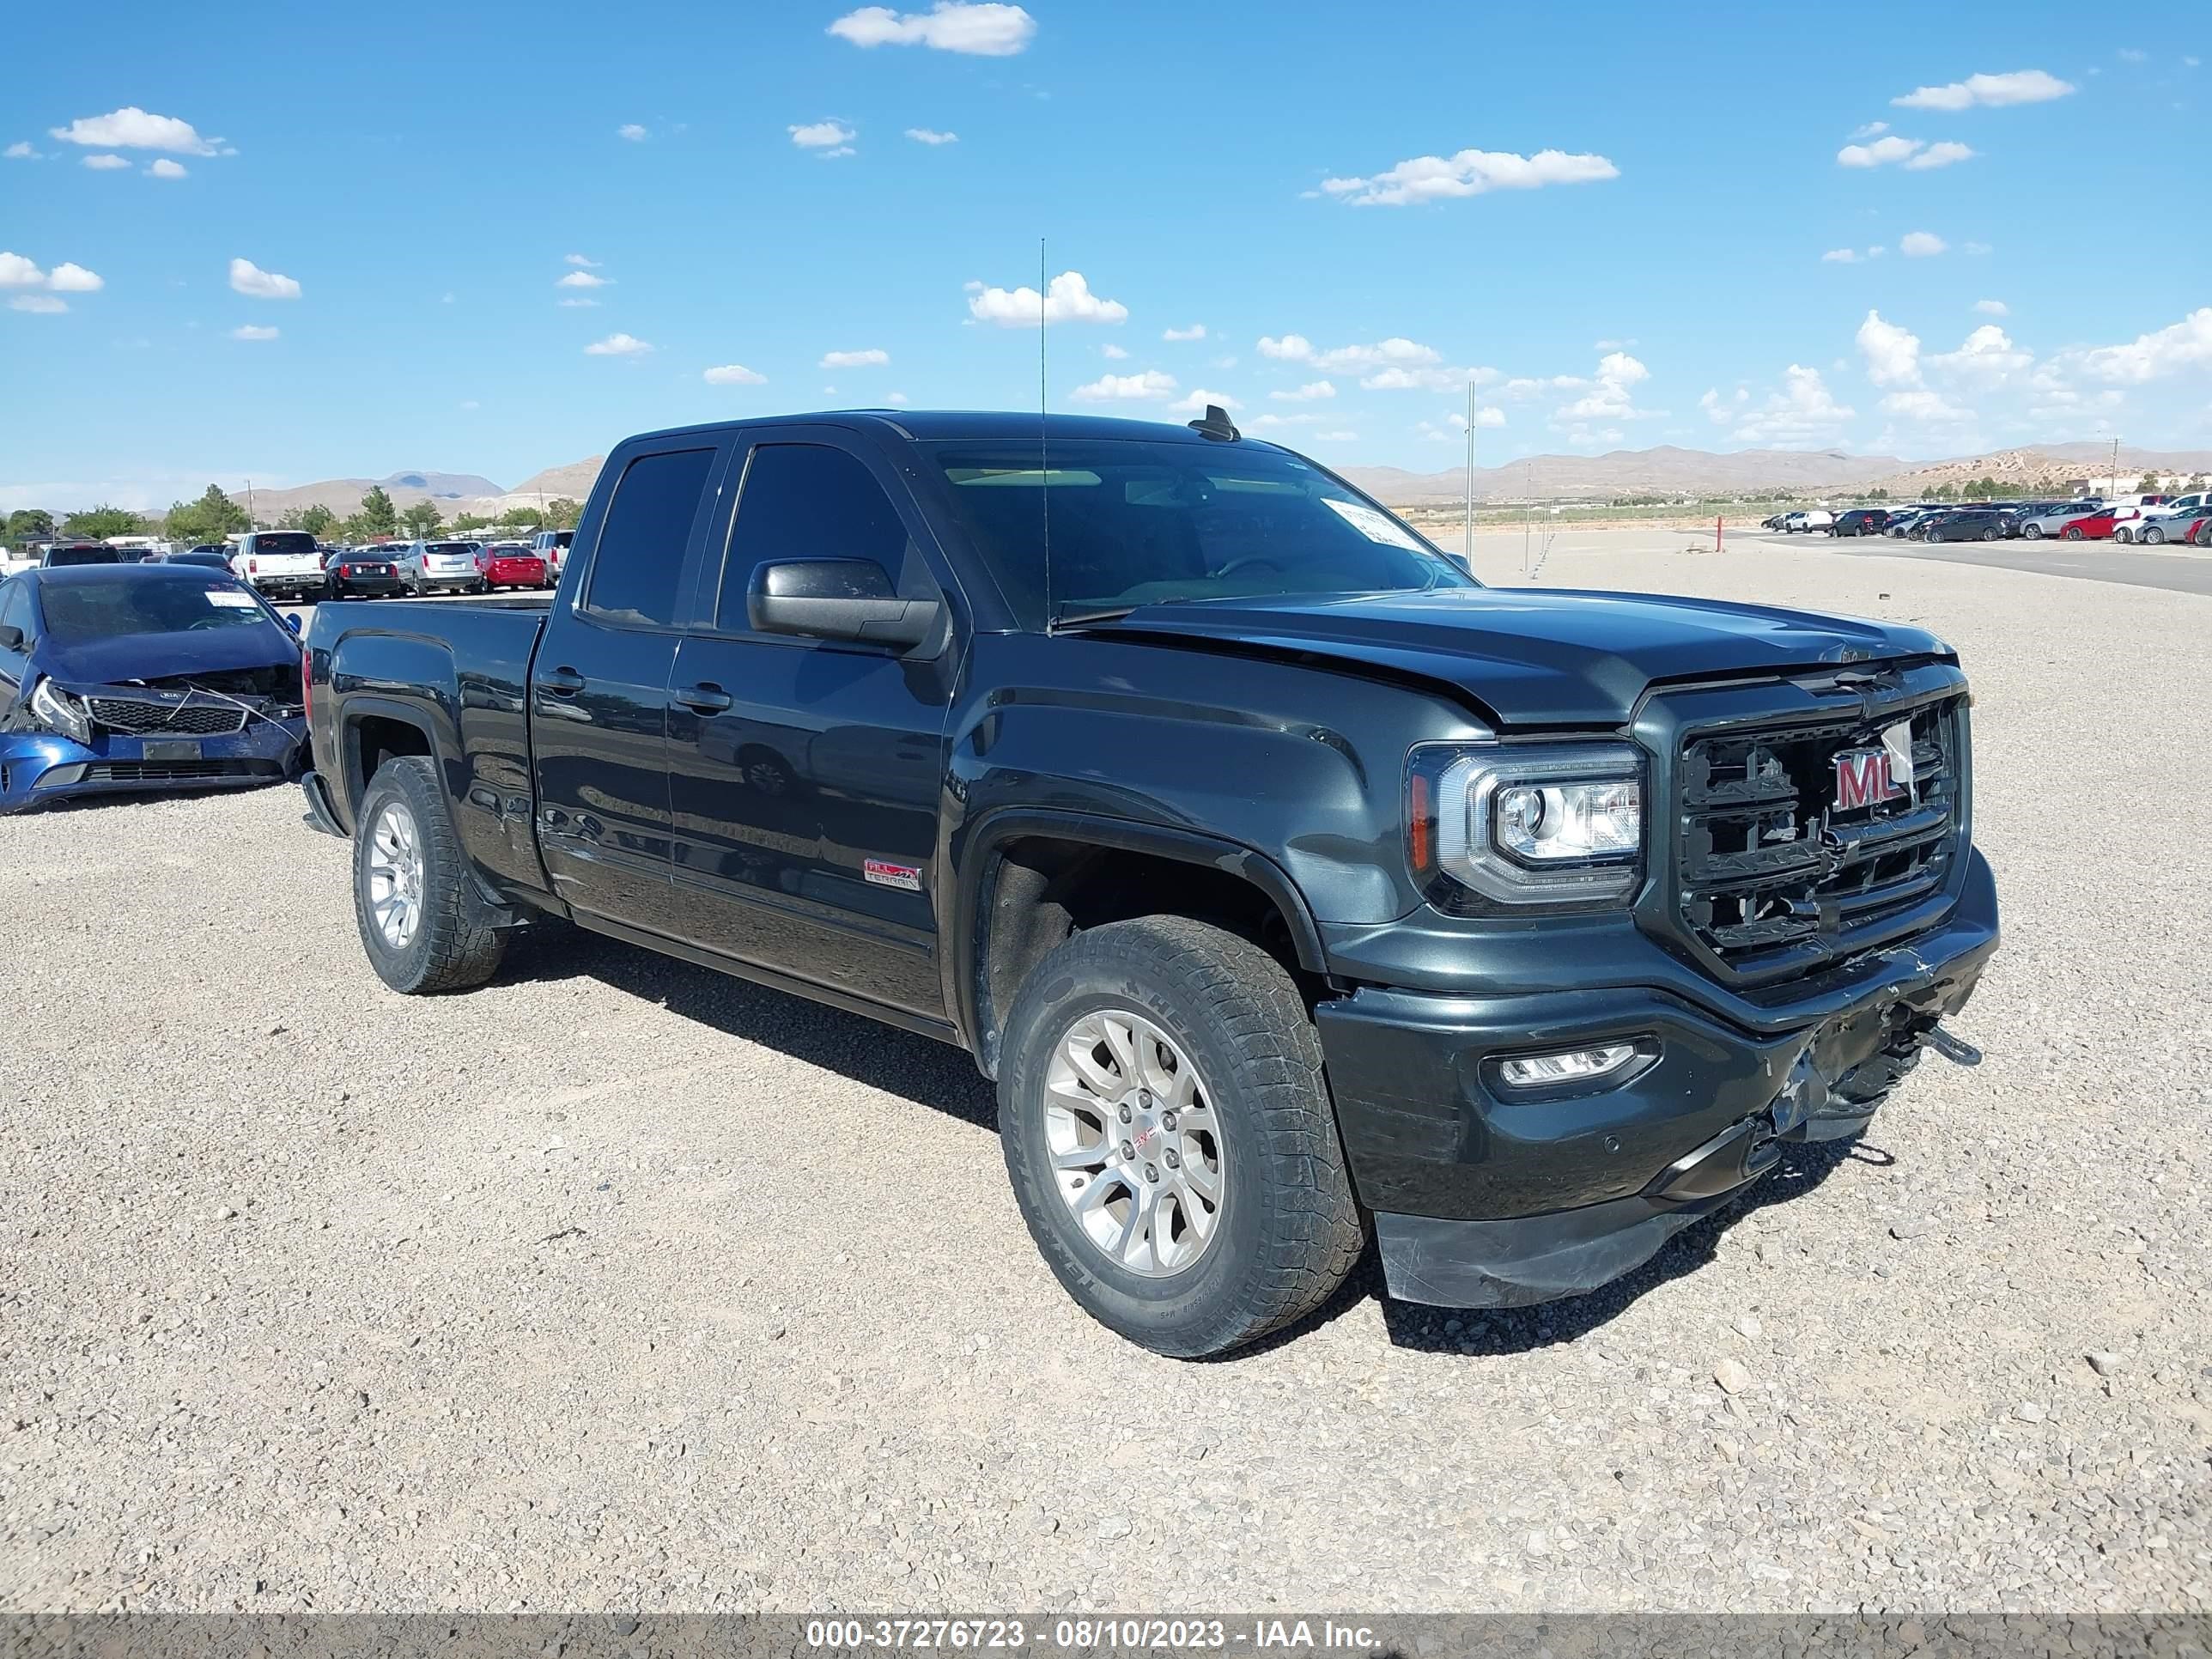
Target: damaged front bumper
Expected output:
[39,767]
[1484,1196]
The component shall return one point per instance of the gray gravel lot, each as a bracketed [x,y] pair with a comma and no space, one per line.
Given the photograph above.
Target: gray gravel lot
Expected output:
[618,1284]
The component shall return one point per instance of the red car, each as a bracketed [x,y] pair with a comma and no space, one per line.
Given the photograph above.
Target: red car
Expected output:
[513,565]
[2094,528]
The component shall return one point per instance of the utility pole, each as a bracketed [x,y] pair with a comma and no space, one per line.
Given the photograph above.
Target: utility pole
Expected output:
[252,522]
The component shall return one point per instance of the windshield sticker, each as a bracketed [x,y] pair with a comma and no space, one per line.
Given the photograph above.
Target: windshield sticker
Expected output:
[1376,526]
[231,598]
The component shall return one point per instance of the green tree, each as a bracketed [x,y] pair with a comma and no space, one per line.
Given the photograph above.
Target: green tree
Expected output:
[467,521]
[377,517]
[561,513]
[422,518]
[27,523]
[210,519]
[2148,484]
[98,523]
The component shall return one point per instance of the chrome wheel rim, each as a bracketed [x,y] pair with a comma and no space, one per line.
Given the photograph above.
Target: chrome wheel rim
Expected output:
[1136,1152]
[395,875]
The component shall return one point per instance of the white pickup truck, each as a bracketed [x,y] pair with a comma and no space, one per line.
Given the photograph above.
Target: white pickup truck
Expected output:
[278,563]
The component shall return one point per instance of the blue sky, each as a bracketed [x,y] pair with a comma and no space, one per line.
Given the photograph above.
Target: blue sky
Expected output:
[1632,224]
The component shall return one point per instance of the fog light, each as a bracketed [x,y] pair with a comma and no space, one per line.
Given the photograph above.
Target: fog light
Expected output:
[1575,1066]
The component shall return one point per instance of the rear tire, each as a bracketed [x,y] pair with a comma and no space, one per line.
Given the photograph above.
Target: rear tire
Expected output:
[412,898]
[1228,1027]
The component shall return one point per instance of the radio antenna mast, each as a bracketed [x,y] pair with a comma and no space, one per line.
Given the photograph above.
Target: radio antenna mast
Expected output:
[1044,453]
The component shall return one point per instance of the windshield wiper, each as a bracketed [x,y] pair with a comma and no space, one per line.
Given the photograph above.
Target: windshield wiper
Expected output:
[1087,618]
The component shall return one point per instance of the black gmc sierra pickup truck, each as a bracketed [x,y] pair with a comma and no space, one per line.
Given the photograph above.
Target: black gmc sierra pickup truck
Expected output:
[1294,887]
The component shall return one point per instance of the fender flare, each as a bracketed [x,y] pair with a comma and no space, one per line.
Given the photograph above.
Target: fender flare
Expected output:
[358,706]
[980,861]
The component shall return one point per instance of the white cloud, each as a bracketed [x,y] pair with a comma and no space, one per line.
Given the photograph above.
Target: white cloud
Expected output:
[1920,245]
[1195,331]
[1930,408]
[45,304]
[1872,128]
[2021,87]
[631,131]
[1987,355]
[67,278]
[1195,404]
[821,135]
[577,305]
[1067,299]
[1992,307]
[1610,398]
[583,279]
[106,163]
[897,400]
[1112,353]
[1468,172]
[1840,255]
[248,278]
[1306,394]
[1940,155]
[985,30]
[252,332]
[727,374]
[1148,384]
[931,135]
[871,358]
[838,153]
[618,345]
[132,128]
[20,150]
[2185,344]
[1891,352]
[1804,412]
[1291,349]
[16,271]
[581,260]
[165,169]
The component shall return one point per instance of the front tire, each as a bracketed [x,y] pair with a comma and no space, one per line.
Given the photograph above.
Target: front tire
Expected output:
[2153,537]
[1220,1209]
[2032,532]
[411,897]
[2072,533]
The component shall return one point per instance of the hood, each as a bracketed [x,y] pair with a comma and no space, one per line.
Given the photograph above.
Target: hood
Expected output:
[1540,656]
[128,657]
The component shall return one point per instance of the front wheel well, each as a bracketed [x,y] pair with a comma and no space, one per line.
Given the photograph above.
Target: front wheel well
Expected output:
[1042,889]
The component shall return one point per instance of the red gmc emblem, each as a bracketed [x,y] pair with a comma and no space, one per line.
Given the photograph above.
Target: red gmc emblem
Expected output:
[1863,778]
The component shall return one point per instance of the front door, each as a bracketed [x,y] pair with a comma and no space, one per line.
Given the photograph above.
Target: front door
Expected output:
[599,692]
[805,775]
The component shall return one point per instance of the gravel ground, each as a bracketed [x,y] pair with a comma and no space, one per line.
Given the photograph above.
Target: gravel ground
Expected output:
[617,1283]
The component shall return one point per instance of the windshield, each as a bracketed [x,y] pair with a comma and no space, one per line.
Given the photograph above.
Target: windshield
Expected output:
[82,611]
[1139,523]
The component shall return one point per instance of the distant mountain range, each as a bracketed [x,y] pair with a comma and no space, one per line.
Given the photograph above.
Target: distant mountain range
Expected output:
[1665,470]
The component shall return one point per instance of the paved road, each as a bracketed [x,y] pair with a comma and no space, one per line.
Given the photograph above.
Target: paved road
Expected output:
[2096,561]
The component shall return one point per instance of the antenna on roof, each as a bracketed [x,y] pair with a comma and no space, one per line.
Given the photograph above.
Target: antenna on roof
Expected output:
[1216,425]
[1044,454]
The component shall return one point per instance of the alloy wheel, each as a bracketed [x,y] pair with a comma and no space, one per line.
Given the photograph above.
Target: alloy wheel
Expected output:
[395,875]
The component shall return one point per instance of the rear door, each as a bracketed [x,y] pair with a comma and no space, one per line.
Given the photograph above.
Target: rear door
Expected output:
[599,690]
[806,774]
[14,664]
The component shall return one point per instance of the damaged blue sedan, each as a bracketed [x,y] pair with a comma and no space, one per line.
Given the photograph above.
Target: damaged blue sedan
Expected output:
[136,677]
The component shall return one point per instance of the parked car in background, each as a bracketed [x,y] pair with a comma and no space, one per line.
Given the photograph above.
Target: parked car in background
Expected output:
[1861,521]
[1970,524]
[2200,529]
[552,546]
[2090,527]
[1806,522]
[2127,522]
[278,563]
[204,558]
[1900,524]
[362,573]
[2033,527]
[441,568]
[61,555]
[512,564]
[131,676]
[2177,527]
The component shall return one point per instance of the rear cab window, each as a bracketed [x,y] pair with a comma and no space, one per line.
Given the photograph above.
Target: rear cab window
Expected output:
[637,566]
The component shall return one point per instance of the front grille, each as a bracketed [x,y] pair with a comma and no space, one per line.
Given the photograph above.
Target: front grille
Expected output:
[1772,874]
[175,771]
[142,715]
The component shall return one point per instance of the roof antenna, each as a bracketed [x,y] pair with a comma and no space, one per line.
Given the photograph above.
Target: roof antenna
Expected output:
[1044,453]
[1216,425]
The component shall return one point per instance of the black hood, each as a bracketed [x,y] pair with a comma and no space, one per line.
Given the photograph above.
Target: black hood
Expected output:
[1541,656]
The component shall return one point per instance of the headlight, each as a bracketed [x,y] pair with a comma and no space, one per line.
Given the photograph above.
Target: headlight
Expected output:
[61,711]
[1549,825]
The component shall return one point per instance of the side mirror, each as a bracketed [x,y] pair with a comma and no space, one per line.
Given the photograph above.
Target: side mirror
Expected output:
[11,637]
[292,621]
[836,599]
